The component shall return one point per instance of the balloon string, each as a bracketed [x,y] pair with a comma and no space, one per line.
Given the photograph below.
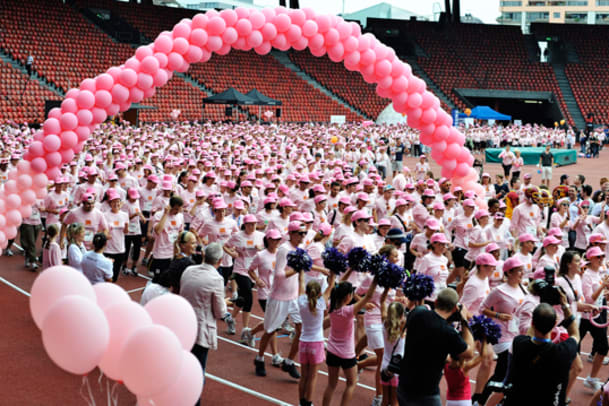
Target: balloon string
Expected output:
[99,380]
[114,394]
[90,392]
[109,398]
[90,400]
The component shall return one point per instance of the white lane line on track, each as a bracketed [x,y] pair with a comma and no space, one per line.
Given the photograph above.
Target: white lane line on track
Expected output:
[296,363]
[208,375]
[17,288]
[247,390]
[136,290]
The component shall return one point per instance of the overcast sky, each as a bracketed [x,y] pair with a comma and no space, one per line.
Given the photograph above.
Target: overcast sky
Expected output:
[486,10]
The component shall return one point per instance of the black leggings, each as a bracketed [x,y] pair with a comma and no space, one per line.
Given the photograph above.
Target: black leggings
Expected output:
[599,336]
[500,374]
[244,288]
[117,264]
[136,240]
[506,170]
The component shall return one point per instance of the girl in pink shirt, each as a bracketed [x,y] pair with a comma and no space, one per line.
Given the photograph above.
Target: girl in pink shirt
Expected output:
[51,252]
[118,226]
[560,219]
[461,228]
[583,226]
[341,348]
[479,237]
[435,263]
[315,250]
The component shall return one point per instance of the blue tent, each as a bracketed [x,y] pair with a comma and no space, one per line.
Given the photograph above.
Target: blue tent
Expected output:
[486,113]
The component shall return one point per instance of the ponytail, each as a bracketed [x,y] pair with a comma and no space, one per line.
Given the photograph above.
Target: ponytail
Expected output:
[313,291]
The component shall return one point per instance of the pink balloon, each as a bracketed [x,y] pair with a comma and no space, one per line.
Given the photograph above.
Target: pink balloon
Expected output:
[257,19]
[263,49]
[124,318]
[13,217]
[160,78]
[323,23]
[51,143]
[214,43]
[108,294]
[242,12]
[36,149]
[68,121]
[162,59]
[441,133]
[452,150]
[297,16]
[255,39]
[128,78]
[136,95]
[175,313]
[39,165]
[53,284]
[103,98]
[163,44]
[75,334]
[224,50]
[462,169]
[100,115]
[67,155]
[318,52]
[85,117]
[414,100]
[281,42]
[336,53]
[187,388]
[133,64]
[150,360]
[199,21]
[230,36]
[180,45]
[429,115]
[24,182]
[53,160]
[332,37]
[216,26]
[10,232]
[450,164]
[120,94]
[85,99]
[2,225]
[40,194]
[51,126]
[309,28]
[282,22]
[269,32]
[229,16]
[316,42]
[198,37]
[69,139]
[27,197]
[55,112]
[181,30]
[294,34]
[104,82]
[425,139]
[143,51]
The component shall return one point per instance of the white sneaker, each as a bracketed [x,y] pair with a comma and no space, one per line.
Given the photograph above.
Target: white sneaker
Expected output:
[8,252]
[593,383]
[605,360]
[590,358]
[377,401]
[277,360]
[286,326]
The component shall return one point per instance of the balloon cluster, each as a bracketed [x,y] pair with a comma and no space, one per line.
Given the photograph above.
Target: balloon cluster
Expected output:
[418,287]
[299,260]
[359,259]
[67,128]
[484,328]
[388,275]
[147,348]
[334,260]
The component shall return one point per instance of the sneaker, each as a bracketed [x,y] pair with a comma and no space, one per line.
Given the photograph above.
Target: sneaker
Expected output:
[605,360]
[377,401]
[34,267]
[277,360]
[593,383]
[247,338]
[27,264]
[260,369]
[231,325]
[126,271]
[134,272]
[590,358]
[151,274]
[145,261]
[234,297]
[8,252]
[290,369]
[287,327]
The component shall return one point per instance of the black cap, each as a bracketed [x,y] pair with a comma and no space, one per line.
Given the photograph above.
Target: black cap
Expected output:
[395,234]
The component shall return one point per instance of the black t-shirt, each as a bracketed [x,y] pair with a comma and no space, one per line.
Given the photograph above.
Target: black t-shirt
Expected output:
[176,269]
[429,339]
[539,372]
[546,159]
[399,153]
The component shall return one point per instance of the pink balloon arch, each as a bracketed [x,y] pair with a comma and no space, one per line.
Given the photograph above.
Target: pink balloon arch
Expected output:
[64,133]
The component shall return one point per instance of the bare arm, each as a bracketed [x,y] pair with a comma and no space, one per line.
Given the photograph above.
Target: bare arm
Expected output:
[362,302]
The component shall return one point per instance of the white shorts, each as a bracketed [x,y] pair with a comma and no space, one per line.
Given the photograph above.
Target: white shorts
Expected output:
[546,173]
[374,333]
[279,310]
[459,402]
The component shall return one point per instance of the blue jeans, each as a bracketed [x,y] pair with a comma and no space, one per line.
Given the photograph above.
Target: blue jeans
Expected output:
[201,354]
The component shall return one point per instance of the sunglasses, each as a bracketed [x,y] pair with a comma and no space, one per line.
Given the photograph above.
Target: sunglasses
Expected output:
[303,233]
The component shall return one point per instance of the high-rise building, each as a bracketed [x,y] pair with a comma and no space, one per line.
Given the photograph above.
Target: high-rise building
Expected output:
[525,12]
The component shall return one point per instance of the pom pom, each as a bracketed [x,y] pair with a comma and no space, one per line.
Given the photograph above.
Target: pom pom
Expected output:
[388,275]
[418,287]
[483,328]
[359,259]
[299,260]
[334,260]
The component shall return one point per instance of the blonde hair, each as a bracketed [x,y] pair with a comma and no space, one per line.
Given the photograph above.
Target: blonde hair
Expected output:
[182,239]
[313,291]
[393,321]
[73,230]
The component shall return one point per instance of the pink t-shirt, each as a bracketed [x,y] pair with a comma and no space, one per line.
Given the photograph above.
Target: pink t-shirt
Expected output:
[340,340]
[591,281]
[474,292]
[164,240]
[51,256]
[147,197]
[55,201]
[246,246]
[220,231]
[315,250]
[462,227]
[284,288]
[420,243]
[93,222]
[116,225]
[435,266]
[373,316]
[134,223]
[478,235]
[505,299]
[527,260]
[525,219]
[264,263]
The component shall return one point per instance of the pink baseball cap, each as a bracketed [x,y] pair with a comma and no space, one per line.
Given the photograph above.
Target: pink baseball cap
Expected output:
[550,241]
[527,176]
[491,247]
[384,222]
[285,202]
[133,193]
[239,205]
[296,216]
[200,193]
[526,237]
[363,196]
[486,259]
[166,185]
[469,203]
[320,198]
[439,237]
[429,193]
[438,206]
[555,232]
[249,218]
[597,238]
[458,189]
[269,200]
[307,217]
[360,215]
[594,252]
[153,179]
[350,209]
[219,204]
[345,200]
[432,224]
[273,234]
[481,213]
[511,263]
[112,195]
[295,226]
[325,229]
[448,196]
[400,202]
[87,197]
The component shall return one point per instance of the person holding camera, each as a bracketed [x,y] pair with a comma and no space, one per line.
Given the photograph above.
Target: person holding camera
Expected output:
[539,370]
[430,339]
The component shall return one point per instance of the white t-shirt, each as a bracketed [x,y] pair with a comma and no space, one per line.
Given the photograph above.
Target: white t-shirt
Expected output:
[151,291]
[96,267]
[312,324]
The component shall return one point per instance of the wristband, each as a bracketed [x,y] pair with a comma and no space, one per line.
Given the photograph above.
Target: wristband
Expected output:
[497,315]
[567,322]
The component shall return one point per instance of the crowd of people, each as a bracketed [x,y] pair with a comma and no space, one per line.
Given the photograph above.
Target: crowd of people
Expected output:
[217,208]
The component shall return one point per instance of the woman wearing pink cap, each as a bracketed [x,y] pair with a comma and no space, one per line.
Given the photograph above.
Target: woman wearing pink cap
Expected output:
[549,257]
[189,197]
[420,245]
[133,237]
[560,219]
[502,305]
[583,226]
[280,222]
[243,247]
[315,250]
[320,214]
[527,245]
[594,286]
[345,227]
[268,211]
[435,263]
[382,228]
[479,237]
[166,226]
[118,225]
[461,228]
[496,278]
